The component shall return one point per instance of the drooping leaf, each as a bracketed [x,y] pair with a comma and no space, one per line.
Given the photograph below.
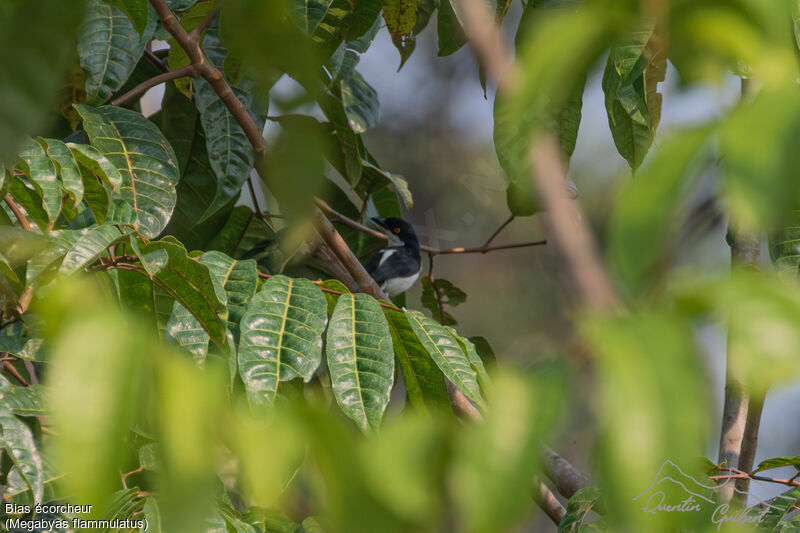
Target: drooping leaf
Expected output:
[778,462]
[41,172]
[475,360]
[108,61]
[633,103]
[139,151]
[32,73]
[66,166]
[447,354]
[190,283]
[31,201]
[89,247]
[17,439]
[96,195]
[444,290]
[449,29]
[424,381]
[137,294]
[401,17]
[281,336]
[229,151]
[360,359]
[98,164]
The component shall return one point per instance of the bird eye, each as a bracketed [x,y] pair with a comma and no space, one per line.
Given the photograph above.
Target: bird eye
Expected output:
[397,230]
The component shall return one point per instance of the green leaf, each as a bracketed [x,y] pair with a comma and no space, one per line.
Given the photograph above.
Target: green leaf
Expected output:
[578,506]
[447,354]
[89,247]
[110,60]
[136,10]
[22,347]
[424,381]
[98,164]
[153,515]
[6,269]
[785,248]
[229,151]
[779,507]
[24,401]
[630,83]
[191,284]
[136,147]
[401,18]
[33,73]
[360,103]
[360,359]
[138,294]
[449,29]
[41,172]
[30,200]
[66,167]
[96,195]
[20,446]
[778,462]
[238,280]
[322,20]
[448,293]
[281,336]
[475,360]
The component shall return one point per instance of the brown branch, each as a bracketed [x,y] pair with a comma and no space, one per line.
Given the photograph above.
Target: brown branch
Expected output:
[18,213]
[548,502]
[486,248]
[155,60]
[143,87]
[197,33]
[497,232]
[567,479]
[13,371]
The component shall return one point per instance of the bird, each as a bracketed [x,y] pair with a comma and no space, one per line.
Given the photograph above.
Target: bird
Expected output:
[397,267]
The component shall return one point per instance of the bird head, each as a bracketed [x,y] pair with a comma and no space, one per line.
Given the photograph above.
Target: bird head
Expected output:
[398,230]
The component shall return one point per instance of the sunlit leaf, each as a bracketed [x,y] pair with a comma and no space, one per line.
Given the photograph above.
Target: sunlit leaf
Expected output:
[89,247]
[66,166]
[41,172]
[17,439]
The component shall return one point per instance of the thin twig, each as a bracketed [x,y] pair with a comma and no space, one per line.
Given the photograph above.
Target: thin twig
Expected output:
[143,87]
[496,233]
[197,33]
[266,218]
[13,371]
[354,225]
[155,60]
[18,213]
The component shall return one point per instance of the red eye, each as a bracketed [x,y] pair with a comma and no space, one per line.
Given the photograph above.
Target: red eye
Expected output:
[397,230]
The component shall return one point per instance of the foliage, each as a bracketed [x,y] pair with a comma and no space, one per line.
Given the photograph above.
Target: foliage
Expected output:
[199,368]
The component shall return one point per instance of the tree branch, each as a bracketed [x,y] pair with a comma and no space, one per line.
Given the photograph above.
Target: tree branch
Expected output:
[198,31]
[486,248]
[567,479]
[20,216]
[143,87]
[545,498]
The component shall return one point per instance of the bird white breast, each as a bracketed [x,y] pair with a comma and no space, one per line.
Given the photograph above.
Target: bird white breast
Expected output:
[386,254]
[394,286]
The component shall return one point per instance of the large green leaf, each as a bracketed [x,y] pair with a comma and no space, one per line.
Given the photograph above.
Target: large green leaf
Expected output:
[66,166]
[238,280]
[21,449]
[190,283]
[31,201]
[447,354]
[633,103]
[96,195]
[31,74]
[449,30]
[578,506]
[781,506]
[89,247]
[360,359]
[281,336]
[41,172]
[136,10]
[109,47]
[401,18]
[138,294]
[90,158]
[322,20]
[360,103]
[146,161]
[229,151]
[424,381]
[24,401]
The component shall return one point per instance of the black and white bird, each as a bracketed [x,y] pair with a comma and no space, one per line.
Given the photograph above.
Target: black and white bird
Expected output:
[397,267]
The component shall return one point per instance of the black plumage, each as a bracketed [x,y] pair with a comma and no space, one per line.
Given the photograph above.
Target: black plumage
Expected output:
[398,266]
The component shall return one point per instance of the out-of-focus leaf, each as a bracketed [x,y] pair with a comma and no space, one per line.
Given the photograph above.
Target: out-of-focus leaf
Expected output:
[281,336]
[32,73]
[24,401]
[66,166]
[778,462]
[322,20]
[578,506]
[136,147]
[424,381]
[449,295]
[758,170]
[449,30]
[558,47]
[136,10]
[646,215]
[191,284]
[374,177]
[229,151]
[491,471]
[447,354]
[781,506]
[152,514]
[630,83]
[41,172]
[360,359]
[89,247]
[108,61]
[401,17]
[93,389]
[785,248]
[17,439]
[137,294]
